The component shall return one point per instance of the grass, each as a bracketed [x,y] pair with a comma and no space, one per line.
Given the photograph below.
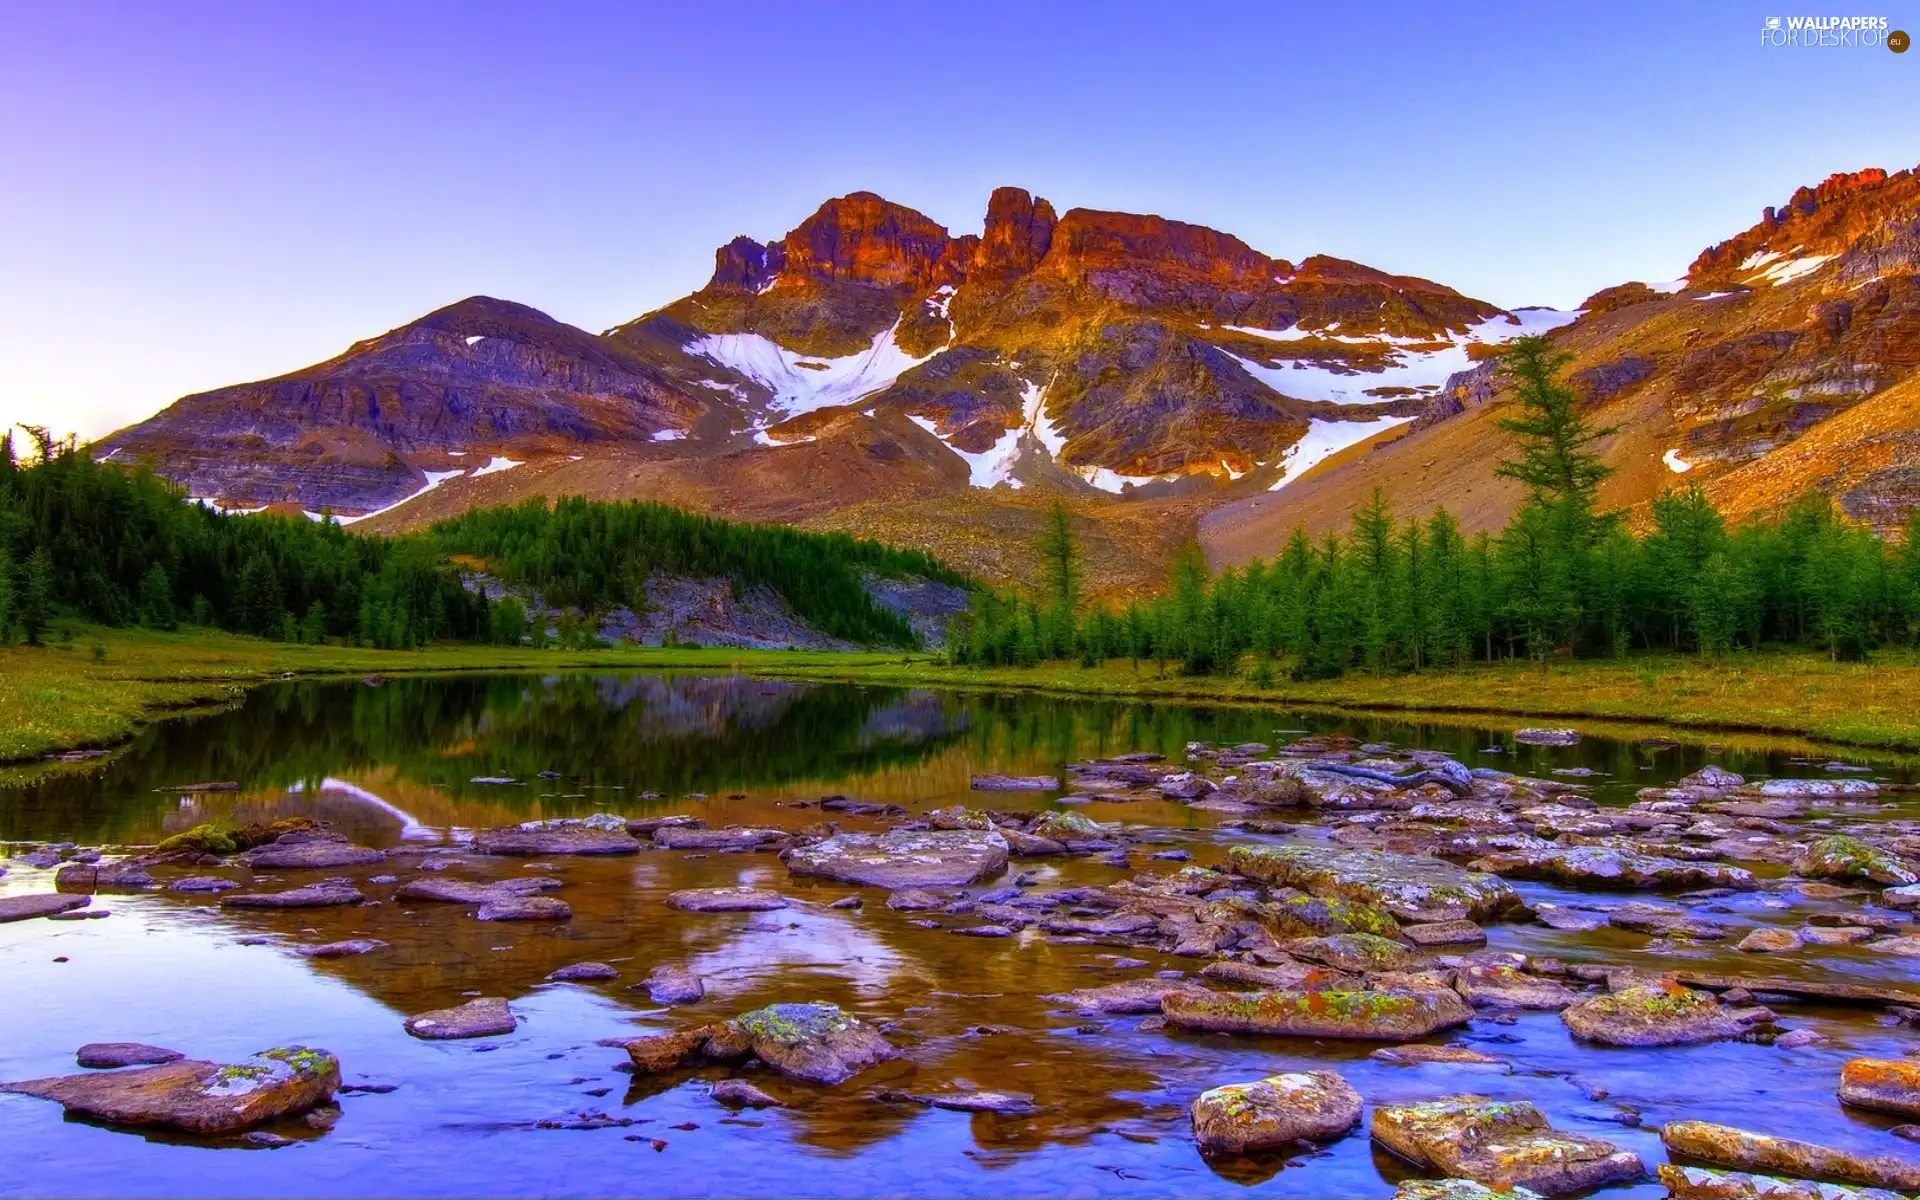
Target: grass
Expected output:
[96,689]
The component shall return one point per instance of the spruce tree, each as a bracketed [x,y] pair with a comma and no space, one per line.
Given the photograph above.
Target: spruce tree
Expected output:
[6,595]
[156,599]
[1060,561]
[36,596]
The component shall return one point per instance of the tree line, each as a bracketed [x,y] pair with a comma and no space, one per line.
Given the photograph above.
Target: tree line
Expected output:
[1560,579]
[124,547]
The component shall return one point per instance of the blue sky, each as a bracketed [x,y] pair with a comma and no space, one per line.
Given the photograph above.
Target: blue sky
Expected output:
[199,194]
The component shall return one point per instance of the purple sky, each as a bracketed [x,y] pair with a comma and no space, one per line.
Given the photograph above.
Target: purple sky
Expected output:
[199,194]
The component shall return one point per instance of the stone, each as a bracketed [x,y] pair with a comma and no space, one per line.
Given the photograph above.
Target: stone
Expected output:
[684,838]
[815,1043]
[1419,1054]
[1279,1110]
[1504,987]
[1413,888]
[197,1097]
[202,885]
[40,904]
[1905,947]
[524,908]
[1848,858]
[1712,777]
[1387,1016]
[1066,828]
[903,858]
[1356,953]
[1844,935]
[1128,997]
[1819,789]
[99,1055]
[1569,920]
[1867,993]
[1769,941]
[1664,921]
[103,877]
[726,899]
[485,1016]
[1724,1145]
[1547,737]
[1882,1084]
[1459,1189]
[310,854]
[521,842]
[1287,975]
[345,949]
[1650,1015]
[671,983]
[914,900]
[661,1052]
[1705,1183]
[1501,1144]
[1606,866]
[317,895]
[738,1093]
[585,972]
[1445,933]
[1015,783]
[461,891]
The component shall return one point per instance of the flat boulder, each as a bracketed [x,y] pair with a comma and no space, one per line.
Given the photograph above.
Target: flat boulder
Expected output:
[1547,737]
[40,904]
[486,1016]
[103,877]
[344,949]
[1503,987]
[1016,783]
[815,1043]
[1500,1144]
[1705,1183]
[680,837]
[318,895]
[1279,1110]
[541,841]
[1820,789]
[203,885]
[524,908]
[462,891]
[1356,953]
[1724,1145]
[1386,1016]
[903,858]
[1711,777]
[309,853]
[1849,859]
[738,1093]
[1128,997]
[1608,866]
[584,972]
[1882,1084]
[194,1096]
[1651,1015]
[1444,933]
[726,899]
[99,1055]
[1458,1189]
[1414,888]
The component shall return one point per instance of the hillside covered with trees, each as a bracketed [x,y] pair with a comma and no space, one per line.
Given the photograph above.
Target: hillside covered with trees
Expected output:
[1561,579]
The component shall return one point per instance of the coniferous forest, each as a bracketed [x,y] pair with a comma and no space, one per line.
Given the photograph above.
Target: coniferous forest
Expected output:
[124,547]
[1561,579]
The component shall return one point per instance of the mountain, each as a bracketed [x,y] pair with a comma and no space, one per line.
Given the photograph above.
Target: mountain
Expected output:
[872,372]
[1783,362]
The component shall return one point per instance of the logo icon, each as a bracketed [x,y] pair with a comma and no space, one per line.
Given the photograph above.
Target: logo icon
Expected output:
[1898,41]
[1773,22]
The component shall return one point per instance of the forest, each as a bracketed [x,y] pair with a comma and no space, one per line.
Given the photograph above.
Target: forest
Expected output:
[124,547]
[1560,580]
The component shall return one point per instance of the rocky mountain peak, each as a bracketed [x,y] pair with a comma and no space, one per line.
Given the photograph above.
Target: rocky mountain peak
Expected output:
[1019,231]
[863,238]
[1089,240]
[1816,224]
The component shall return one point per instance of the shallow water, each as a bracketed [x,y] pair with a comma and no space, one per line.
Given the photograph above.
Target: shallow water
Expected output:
[391,766]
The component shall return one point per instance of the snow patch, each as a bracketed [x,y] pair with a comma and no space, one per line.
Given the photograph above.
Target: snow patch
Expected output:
[1676,464]
[434,480]
[1670,286]
[496,463]
[798,389]
[668,435]
[1323,440]
[476,338]
[986,468]
[1714,296]
[1794,268]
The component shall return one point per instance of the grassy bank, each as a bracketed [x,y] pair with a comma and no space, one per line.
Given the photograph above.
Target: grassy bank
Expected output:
[98,688]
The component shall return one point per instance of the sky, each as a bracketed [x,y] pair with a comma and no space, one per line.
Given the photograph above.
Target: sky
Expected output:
[198,194]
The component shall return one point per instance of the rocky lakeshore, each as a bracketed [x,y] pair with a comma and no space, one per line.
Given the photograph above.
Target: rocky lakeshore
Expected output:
[1348,965]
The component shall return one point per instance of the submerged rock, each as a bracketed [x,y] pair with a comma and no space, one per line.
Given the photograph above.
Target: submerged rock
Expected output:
[738,1093]
[524,908]
[1547,737]
[671,983]
[1015,783]
[1501,1144]
[1411,887]
[1651,1015]
[1275,1111]
[202,884]
[1459,1189]
[197,1097]
[1387,1016]
[1127,997]
[99,1055]
[585,972]
[318,895]
[903,858]
[817,1043]
[1882,1084]
[482,1017]
[42,904]
[103,877]
[521,842]
[346,949]
[461,891]
[307,851]
[1725,1145]
[687,838]
[1704,1183]
[1606,866]
[726,899]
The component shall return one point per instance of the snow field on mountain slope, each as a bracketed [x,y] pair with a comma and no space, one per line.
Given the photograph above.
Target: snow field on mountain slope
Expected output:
[802,383]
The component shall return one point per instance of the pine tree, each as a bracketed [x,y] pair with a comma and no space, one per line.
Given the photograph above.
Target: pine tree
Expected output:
[1557,461]
[6,590]
[1060,559]
[313,630]
[36,596]
[156,599]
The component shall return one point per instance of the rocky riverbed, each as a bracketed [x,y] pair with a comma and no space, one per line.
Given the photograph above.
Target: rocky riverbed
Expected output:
[1325,962]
